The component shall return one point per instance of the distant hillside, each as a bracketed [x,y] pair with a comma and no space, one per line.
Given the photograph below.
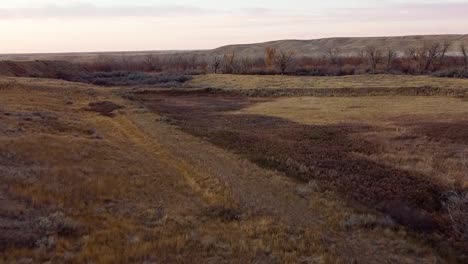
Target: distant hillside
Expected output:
[312,48]
[317,47]
[81,56]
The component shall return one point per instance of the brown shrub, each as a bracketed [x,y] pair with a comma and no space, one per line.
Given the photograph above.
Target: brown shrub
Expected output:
[456,204]
[414,218]
[105,108]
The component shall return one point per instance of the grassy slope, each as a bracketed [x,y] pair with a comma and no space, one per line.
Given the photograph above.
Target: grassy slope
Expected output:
[347,45]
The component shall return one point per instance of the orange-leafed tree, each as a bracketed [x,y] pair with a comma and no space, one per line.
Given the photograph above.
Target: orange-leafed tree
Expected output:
[270,54]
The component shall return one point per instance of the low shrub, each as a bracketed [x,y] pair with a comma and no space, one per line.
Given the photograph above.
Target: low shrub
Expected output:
[413,218]
[105,108]
[59,223]
[456,205]
[368,221]
[226,214]
[452,73]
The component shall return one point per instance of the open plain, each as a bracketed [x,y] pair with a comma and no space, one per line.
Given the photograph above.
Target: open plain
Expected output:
[205,173]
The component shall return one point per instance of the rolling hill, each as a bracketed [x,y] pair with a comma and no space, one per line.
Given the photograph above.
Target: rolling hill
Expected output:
[311,48]
[317,47]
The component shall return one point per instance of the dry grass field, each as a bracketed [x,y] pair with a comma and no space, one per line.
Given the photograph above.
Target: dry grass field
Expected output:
[94,174]
[243,82]
[435,124]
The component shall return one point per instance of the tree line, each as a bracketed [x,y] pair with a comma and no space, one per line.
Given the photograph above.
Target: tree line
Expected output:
[429,58]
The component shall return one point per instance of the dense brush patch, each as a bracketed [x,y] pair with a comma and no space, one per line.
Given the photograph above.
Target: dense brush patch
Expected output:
[126,78]
[452,73]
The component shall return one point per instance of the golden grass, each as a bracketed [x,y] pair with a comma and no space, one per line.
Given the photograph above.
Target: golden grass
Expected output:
[226,81]
[370,110]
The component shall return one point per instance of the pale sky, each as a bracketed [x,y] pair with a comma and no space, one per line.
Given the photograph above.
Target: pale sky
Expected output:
[28,26]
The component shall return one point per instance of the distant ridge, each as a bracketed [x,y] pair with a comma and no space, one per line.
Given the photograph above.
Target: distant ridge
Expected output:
[347,45]
[311,48]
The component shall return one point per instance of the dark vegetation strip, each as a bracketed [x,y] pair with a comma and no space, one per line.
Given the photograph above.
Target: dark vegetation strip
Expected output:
[78,73]
[126,78]
[324,153]
[374,91]
[323,92]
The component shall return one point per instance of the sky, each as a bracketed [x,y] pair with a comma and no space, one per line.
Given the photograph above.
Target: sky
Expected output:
[30,26]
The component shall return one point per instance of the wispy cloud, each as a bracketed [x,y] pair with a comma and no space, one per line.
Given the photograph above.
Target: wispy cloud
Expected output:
[85,10]
[377,12]
[403,12]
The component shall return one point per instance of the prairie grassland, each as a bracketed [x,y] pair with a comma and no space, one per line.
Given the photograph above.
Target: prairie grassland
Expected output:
[396,154]
[426,134]
[228,81]
[82,187]
[379,110]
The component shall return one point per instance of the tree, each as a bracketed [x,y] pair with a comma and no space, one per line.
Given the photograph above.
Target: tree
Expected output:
[445,47]
[415,54]
[216,64]
[427,55]
[245,65]
[104,63]
[151,62]
[374,57]
[193,61]
[431,52]
[230,63]
[283,59]
[390,57]
[464,53]
[125,62]
[412,53]
[333,54]
[182,62]
[270,54]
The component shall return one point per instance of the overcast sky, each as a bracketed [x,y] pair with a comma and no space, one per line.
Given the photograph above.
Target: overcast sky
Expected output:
[118,25]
